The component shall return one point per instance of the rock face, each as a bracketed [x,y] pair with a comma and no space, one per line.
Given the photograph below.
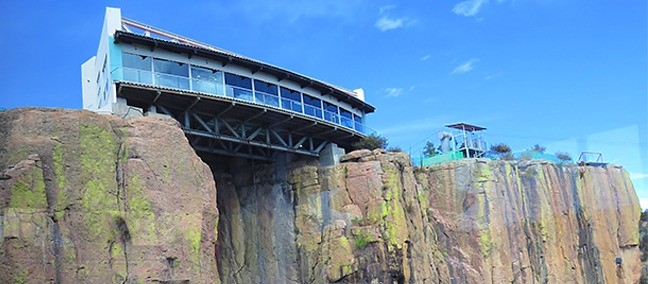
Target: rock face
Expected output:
[376,219]
[97,199]
[88,198]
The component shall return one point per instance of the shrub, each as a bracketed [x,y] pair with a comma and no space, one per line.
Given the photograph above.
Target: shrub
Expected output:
[370,142]
[538,148]
[503,151]
[501,148]
[563,157]
[395,149]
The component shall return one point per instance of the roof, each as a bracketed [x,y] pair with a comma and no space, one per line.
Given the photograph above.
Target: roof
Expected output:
[466,126]
[254,65]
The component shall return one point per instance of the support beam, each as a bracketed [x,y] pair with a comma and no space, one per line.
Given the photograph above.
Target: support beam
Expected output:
[305,127]
[230,129]
[254,143]
[226,110]
[256,115]
[281,122]
[201,122]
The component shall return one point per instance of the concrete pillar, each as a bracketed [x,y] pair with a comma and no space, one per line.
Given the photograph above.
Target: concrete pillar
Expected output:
[330,155]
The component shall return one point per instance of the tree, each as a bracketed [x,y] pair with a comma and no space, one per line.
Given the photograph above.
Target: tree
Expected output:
[538,148]
[503,151]
[429,150]
[563,157]
[371,142]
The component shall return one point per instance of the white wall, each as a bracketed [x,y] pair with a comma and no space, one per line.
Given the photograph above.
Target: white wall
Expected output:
[96,96]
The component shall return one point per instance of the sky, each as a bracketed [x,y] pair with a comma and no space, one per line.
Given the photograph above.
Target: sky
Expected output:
[571,75]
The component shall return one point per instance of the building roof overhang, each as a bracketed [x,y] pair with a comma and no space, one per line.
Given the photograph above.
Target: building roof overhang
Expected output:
[251,64]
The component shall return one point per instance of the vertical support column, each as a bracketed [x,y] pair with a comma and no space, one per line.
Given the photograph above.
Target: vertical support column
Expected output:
[330,155]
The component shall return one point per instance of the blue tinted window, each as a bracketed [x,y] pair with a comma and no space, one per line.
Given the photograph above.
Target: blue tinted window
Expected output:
[170,67]
[238,81]
[312,101]
[136,61]
[290,94]
[265,87]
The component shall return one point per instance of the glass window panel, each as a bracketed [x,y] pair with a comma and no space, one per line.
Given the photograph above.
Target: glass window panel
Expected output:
[330,107]
[346,113]
[290,94]
[134,61]
[265,87]
[238,81]
[312,101]
[170,67]
[206,80]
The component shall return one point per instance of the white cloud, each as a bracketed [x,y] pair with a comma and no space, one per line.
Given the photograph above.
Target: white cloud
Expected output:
[393,92]
[386,8]
[426,57]
[638,175]
[464,68]
[470,8]
[493,76]
[386,23]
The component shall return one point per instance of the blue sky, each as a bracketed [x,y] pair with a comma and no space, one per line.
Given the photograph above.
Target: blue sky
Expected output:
[571,75]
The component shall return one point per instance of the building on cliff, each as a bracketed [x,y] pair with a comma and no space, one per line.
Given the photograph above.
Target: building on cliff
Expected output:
[226,103]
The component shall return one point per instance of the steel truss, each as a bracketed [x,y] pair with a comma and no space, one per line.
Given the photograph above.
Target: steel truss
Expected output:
[219,134]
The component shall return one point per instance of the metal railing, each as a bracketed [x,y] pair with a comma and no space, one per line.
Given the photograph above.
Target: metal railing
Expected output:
[211,87]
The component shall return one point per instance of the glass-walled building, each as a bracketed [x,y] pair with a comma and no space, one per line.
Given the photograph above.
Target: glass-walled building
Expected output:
[134,54]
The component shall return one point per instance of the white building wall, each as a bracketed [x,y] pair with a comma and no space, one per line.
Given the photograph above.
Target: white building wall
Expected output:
[100,95]
[89,84]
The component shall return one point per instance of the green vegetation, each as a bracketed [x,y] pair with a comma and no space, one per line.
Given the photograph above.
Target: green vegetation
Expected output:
[430,150]
[361,241]
[371,142]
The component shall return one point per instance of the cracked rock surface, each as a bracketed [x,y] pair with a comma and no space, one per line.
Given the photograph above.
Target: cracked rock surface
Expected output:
[89,198]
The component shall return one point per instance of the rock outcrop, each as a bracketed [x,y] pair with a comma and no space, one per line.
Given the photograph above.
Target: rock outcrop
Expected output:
[89,198]
[376,219]
[97,199]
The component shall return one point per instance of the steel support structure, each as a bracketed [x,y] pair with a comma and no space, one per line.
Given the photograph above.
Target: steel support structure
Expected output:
[244,138]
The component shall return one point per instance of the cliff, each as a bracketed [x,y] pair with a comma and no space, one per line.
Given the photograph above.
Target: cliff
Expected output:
[88,198]
[91,198]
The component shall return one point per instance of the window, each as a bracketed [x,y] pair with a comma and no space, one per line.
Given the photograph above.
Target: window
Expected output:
[265,87]
[312,106]
[291,100]
[346,118]
[358,123]
[136,61]
[266,93]
[206,80]
[170,67]
[239,87]
[137,68]
[238,81]
[331,113]
[171,74]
